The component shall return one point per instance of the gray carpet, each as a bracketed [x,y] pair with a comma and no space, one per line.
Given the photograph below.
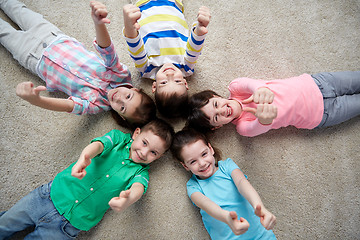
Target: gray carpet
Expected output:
[308,178]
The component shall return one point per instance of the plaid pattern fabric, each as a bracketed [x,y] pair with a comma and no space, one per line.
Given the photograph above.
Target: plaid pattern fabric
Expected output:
[68,67]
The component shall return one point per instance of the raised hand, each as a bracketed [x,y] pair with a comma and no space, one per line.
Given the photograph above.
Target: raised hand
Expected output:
[26,91]
[261,95]
[238,226]
[99,13]
[266,113]
[267,219]
[203,19]
[120,203]
[131,15]
[78,170]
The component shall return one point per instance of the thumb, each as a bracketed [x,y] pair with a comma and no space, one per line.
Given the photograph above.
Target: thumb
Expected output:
[248,100]
[250,110]
[258,211]
[105,20]
[38,89]
[137,26]
[125,194]
[233,215]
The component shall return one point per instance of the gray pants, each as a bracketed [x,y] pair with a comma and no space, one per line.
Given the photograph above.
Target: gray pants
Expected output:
[26,45]
[341,92]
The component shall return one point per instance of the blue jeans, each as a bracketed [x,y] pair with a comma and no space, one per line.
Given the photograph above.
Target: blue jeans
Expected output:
[341,92]
[37,210]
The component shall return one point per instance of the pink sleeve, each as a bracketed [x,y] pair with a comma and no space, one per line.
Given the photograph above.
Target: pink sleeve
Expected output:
[251,128]
[243,88]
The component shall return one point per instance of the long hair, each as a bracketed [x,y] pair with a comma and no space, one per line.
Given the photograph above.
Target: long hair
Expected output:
[197,118]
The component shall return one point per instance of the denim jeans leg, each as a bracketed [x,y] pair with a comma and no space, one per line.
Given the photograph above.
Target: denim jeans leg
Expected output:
[341,92]
[36,209]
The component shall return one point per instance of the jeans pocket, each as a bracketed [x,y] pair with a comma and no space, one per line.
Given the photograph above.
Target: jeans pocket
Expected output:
[69,230]
[44,190]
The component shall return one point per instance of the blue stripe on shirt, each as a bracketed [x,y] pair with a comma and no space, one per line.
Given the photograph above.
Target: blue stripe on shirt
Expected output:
[133,44]
[164,34]
[196,42]
[159,3]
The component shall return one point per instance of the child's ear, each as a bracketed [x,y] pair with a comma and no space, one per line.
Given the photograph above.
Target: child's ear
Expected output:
[136,133]
[183,164]
[186,85]
[211,149]
[214,128]
[153,86]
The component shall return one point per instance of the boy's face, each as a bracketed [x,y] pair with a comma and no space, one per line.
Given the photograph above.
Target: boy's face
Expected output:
[124,101]
[169,79]
[221,111]
[146,147]
[199,159]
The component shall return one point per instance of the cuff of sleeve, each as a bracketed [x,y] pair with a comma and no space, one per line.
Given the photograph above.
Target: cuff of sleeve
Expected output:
[130,40]
[106,50]
[78,105]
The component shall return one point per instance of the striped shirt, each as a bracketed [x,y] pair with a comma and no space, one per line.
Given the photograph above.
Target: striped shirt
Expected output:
[68,67]
[164,38]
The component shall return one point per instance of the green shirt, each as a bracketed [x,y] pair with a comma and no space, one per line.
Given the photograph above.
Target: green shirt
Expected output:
[84,202]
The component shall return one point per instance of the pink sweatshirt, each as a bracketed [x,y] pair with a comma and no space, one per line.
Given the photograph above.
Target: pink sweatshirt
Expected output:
[298,100]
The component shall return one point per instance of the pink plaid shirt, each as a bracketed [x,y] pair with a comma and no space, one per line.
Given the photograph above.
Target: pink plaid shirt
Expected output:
[68,67]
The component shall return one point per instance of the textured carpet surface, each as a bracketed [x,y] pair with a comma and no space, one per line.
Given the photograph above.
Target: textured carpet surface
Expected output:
[308,178]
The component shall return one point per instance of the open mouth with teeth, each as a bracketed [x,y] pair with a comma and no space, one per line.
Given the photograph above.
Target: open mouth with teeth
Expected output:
[229,111]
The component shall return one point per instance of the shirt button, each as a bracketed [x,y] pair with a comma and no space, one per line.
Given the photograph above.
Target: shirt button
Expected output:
[91,189]
[44,45]
[123,162]
[107,175]
[76,201]
[127,146]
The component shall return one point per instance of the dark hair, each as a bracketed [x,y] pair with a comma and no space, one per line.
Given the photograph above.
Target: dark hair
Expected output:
[144,113]
[188,136]
[172,105]
[161,129]
[197,118]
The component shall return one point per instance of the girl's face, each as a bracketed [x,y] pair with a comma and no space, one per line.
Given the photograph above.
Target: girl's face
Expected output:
[199,159]
[124,101]
[221,111]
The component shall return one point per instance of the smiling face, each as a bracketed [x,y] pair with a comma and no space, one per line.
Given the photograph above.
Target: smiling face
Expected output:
[169,79]
[221,111]
[124,101]
[146,147]
[199,158]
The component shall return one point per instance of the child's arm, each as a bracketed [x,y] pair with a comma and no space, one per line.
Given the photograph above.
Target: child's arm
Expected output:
[89,152]
[127,198]
[99,14]
[230,218]
[131,14]
[26,91]
[267,219]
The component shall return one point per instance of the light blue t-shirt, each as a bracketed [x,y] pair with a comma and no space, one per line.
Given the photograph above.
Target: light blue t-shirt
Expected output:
[221,189]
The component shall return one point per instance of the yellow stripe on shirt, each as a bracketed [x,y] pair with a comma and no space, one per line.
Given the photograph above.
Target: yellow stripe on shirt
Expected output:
[164,18]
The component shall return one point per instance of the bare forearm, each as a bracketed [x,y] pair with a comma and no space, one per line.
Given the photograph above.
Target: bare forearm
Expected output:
[102,36]
[209,206]
[54,104]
